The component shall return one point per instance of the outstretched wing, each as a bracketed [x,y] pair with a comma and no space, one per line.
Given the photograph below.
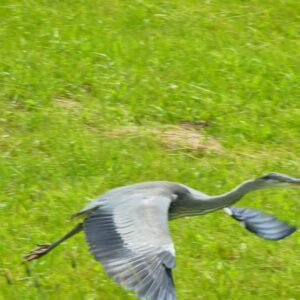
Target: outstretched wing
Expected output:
[263,225]
[130,237]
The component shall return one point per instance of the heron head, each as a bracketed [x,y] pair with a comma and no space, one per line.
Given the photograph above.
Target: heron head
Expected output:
[277,180]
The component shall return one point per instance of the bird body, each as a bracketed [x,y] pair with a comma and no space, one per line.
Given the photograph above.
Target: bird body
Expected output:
[127,228]
[182,197]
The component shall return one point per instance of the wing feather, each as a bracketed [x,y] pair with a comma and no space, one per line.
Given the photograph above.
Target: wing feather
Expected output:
[131,239]
[263,225]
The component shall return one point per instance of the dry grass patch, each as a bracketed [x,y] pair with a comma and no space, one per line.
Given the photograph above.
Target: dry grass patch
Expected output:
[176,137]
[67,103]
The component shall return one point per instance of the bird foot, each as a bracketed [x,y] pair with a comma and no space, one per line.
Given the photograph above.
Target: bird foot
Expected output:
[38,252]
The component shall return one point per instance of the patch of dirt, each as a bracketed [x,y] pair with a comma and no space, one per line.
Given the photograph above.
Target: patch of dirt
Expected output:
[177,137]
[194,124]
[67,103]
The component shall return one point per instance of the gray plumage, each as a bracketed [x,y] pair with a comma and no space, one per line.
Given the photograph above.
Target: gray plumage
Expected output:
[263,225]
[127,229]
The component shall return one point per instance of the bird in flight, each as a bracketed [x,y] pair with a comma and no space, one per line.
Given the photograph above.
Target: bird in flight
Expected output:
[127,228]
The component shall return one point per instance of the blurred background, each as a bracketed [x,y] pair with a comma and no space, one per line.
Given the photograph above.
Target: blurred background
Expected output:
[97,94]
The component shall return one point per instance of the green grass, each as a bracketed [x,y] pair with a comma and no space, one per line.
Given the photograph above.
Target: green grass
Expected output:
[71,71]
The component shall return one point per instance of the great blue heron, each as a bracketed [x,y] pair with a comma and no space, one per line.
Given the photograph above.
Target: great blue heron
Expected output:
[127,228]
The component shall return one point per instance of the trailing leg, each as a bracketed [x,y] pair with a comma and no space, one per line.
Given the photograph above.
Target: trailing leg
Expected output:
[45,248]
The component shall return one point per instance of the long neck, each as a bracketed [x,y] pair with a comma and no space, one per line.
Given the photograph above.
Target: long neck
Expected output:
[199,203]
[232,196]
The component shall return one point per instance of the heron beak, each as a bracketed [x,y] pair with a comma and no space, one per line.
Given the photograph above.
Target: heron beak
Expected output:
[294,181]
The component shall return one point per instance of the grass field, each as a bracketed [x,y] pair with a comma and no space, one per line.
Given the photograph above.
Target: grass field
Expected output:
[87,88]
